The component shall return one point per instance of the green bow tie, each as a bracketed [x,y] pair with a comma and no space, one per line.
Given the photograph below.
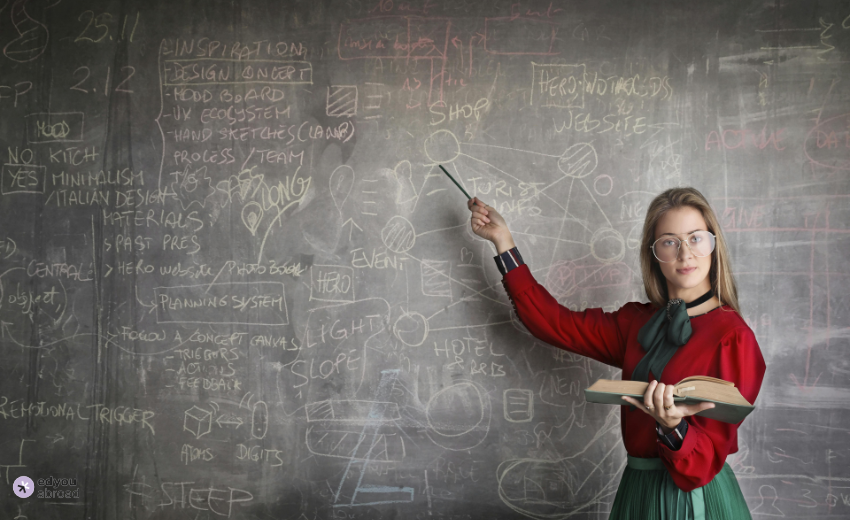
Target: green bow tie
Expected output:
[663,334]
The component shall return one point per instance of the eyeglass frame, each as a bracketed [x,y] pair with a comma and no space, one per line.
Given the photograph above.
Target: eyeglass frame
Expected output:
[679,247]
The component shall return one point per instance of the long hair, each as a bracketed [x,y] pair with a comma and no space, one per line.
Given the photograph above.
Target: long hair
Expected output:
[720,274]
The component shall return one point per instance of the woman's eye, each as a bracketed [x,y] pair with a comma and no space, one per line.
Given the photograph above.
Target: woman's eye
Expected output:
[696,239]
[669,243]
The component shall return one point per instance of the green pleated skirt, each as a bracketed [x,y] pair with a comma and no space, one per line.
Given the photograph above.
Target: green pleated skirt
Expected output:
[647,492]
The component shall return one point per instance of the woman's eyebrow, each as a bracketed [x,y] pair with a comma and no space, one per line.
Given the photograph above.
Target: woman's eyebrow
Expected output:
[688,233]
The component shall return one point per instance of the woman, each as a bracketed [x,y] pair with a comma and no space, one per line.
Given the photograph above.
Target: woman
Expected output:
[692,326]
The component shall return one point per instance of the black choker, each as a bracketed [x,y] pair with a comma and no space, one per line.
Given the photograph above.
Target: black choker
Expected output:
[676,301]
[699,301]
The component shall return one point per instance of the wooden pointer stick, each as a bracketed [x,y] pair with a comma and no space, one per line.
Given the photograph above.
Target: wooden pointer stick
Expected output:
[454,181]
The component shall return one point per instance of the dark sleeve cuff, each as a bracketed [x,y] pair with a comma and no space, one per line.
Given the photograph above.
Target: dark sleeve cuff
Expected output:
[508,261]
[674,439]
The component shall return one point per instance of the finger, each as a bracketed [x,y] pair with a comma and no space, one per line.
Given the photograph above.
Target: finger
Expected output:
[647,397]
[693,409]
[668,398]
[478,215]
[658,397]
[634,402]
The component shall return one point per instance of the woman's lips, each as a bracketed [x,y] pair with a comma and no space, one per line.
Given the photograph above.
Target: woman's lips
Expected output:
[687,270]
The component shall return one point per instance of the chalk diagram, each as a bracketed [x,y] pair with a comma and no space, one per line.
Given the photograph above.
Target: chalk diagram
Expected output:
[567,188]
[557,488]
[366,432]
[537,488]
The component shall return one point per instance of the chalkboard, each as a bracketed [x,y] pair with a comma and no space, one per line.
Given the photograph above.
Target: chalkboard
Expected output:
[234,283]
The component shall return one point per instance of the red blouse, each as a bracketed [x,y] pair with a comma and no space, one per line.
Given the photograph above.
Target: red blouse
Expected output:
[722,345]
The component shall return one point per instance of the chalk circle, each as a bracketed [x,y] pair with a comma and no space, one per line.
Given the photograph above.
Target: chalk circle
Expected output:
[610,186]
[607,246]
[411,328]
[441,412]
[398,235]
[442,147]
[579,160]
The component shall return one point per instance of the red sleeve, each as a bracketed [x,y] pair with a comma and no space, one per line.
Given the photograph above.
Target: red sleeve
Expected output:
[593,333]
[708,441]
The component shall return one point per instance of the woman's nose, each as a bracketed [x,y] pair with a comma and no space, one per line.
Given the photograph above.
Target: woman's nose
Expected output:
[685,251]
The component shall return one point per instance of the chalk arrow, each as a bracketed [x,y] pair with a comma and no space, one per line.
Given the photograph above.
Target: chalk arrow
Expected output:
[353,225]
[228,420]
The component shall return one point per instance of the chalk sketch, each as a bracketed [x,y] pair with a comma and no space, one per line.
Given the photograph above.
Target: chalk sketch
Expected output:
[458,432]
[768,493]
[197,421]
[398,235]
[33,36]
[518,404]
[252,216]
[341,183]
[348,490]
[341,101]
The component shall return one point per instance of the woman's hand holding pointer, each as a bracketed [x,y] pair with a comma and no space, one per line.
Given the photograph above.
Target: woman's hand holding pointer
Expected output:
[488,224]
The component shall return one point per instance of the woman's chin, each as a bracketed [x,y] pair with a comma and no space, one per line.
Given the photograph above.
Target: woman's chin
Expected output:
[686,282]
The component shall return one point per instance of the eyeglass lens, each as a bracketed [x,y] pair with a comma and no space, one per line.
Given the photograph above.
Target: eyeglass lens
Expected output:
[701,243]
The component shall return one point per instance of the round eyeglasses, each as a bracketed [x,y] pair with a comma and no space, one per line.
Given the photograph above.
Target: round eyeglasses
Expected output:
[701,244]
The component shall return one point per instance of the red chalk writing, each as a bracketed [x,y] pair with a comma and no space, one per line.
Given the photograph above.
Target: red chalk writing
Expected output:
[733,139]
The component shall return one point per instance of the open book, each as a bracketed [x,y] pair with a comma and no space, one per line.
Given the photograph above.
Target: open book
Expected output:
[729,405]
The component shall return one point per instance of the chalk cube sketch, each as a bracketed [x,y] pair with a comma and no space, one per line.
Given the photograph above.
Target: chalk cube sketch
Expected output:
[518,404]
[436,278]
[341,101]
[197,421]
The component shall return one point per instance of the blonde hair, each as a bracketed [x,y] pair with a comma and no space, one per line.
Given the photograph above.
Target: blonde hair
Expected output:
[720,274]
